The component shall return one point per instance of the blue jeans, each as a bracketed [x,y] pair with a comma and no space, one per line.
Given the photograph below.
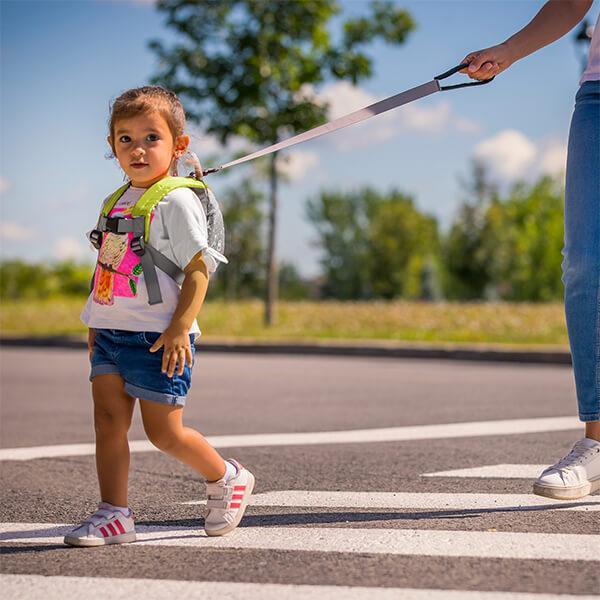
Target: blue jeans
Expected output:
[127,353]
[581,263]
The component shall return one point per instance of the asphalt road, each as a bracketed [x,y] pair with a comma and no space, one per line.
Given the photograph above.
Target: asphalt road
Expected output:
[391,529]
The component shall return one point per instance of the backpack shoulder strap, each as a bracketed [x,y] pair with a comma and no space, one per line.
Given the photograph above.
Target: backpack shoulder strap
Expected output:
[155,193]
[113,198]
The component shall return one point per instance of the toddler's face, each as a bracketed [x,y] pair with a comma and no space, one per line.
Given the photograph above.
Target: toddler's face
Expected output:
[145,148]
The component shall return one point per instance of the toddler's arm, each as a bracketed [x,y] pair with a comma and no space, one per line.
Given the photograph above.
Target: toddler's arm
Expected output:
[193,292]
[554,19]
[176,338]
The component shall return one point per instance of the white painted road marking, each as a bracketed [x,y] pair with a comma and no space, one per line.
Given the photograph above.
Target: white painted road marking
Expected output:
[356,436]
[24,587]
[494,472]
[427,501]
[404,542]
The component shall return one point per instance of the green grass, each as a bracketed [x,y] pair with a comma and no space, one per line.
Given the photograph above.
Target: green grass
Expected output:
[485,323]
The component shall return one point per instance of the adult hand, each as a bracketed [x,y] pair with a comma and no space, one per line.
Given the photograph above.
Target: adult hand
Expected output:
[91,341]
[485,64]
[177,350]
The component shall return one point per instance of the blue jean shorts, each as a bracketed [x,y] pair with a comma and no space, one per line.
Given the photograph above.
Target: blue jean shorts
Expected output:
[127,353]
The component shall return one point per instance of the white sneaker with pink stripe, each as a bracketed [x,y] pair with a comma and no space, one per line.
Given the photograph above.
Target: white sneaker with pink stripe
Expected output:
[106,526]
[227,501]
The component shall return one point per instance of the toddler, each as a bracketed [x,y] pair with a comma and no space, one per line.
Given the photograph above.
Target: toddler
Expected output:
[141,348]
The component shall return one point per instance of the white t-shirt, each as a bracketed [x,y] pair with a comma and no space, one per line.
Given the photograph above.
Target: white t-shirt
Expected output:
[592,72]
[119,299]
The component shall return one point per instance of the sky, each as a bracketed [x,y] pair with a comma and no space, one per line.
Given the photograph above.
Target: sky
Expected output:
[62,62]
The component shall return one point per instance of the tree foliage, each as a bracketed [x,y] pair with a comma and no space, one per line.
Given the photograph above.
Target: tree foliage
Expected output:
[249,67]
[508,247]
[242,66]
[243,277]
[374,245]
[22,280]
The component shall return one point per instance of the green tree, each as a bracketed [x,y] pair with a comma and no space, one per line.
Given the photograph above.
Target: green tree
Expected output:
[342,227]
[243,67]
[244,222]
[22,280]
[402,244]
[524,238]
[375,245]
[466,266]
[291,284]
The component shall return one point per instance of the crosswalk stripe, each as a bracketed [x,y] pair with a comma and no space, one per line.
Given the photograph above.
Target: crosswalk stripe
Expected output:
[406,542]
[508,471]
[356,436]
[58,587]
[428,501]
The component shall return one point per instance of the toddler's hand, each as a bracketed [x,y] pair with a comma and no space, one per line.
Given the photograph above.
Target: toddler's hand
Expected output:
[177,350]
[91,341]
[485,64]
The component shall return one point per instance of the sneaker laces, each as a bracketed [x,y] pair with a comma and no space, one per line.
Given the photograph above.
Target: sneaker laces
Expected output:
[577,456]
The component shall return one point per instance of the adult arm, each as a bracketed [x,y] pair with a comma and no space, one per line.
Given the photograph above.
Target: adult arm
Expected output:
[555,19]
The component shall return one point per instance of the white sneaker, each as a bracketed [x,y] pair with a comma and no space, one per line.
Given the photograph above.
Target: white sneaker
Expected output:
[574,476]
[105,526]
[227,501]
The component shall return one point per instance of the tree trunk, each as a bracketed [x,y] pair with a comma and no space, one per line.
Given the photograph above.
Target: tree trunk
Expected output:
[272,274]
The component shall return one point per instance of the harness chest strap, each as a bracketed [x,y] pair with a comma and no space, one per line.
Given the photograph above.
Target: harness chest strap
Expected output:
[139,224]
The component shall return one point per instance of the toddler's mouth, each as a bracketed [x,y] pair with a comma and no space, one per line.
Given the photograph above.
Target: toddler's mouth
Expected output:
[139,165]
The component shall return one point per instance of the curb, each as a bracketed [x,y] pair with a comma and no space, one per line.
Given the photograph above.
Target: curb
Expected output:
[470,353]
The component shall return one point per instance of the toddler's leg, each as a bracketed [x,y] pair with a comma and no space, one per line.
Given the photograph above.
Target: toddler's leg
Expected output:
[163,425]
[113,410]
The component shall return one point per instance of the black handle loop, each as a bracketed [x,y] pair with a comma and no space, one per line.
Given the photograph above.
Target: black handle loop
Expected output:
[454,70]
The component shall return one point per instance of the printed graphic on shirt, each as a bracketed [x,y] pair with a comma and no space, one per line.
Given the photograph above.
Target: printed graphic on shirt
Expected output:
[118,268]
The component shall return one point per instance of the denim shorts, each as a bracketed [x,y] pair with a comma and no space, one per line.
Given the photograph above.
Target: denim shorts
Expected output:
[127,353]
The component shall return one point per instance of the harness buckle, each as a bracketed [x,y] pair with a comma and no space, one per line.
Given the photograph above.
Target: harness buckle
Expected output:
[138,246]
[96,238]
[112,224]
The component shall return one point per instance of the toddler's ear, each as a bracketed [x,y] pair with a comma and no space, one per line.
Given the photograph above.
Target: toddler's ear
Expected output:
[182,142]
[109,140]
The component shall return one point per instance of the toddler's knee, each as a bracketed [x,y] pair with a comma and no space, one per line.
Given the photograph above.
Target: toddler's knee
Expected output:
[107,423]
[163,440]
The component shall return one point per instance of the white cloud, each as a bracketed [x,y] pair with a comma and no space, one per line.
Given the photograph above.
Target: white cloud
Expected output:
[298,163]
[508,153]
[13,232]
[553,158]
[5,185]
[70,248]
[511,155]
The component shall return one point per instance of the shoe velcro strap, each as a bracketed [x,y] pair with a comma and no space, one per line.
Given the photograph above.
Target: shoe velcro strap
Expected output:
[216,503]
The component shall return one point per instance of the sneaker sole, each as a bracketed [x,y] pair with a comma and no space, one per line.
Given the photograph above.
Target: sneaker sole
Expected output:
[240,513]
[88,542]
[566,493]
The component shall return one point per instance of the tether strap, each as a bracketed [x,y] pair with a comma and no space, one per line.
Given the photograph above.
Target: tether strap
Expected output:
[350,119]
[357,116]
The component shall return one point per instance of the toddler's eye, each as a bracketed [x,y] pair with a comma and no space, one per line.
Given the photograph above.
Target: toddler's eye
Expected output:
[124,139]
[152,137]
